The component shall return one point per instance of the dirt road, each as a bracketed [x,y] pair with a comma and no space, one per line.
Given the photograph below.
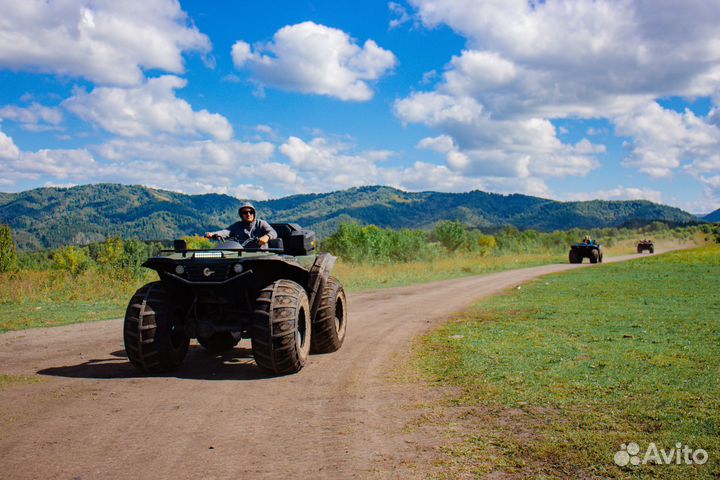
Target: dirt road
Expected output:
[93,416]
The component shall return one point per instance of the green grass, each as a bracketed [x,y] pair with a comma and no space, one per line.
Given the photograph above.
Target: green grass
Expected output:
[7,381]
[554,377]
[14,316]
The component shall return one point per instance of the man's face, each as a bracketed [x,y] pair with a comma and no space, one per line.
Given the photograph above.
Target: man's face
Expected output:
[247,214]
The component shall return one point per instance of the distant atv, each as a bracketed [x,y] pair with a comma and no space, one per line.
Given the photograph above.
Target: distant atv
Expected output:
[644,245]
[591,251]
[282,298]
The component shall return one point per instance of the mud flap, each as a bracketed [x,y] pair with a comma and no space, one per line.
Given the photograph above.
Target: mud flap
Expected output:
[319,273]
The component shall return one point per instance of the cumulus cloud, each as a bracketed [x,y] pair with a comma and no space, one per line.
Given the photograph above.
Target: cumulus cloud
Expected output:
[580,58]
[104,41]
[35,117]
[78,165]
[478,145]
[663,140]
[527,63]
[310,162]
[8,149]
[618,193]
[312,58]
[148,109]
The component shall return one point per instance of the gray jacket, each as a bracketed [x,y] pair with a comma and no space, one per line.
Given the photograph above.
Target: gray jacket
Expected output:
[244,230]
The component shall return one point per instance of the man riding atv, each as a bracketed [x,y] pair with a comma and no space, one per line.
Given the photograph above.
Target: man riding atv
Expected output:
[248,231]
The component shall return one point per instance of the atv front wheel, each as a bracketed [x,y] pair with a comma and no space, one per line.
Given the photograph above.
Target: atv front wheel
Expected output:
[594,256]
[281,329]
[330,324]
[153,334]
[218,342]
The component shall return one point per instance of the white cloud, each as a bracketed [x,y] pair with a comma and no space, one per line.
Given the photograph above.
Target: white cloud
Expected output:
[401,15]
[526,63]
[711,195]
[321,165]
[76,165]
[579,58]
[148,109]
[478,145]
[312,58]
[8,149]
[35,117]
[618,193]
[663,140]
[105,41]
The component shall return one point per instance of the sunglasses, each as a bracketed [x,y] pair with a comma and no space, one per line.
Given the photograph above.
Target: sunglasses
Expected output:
[247,212]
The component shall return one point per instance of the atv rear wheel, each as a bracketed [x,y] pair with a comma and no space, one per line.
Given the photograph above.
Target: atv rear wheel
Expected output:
[330,323]
[575,257]
[153,334]
[652,249]
[218,342]
[594,256]
[281,329]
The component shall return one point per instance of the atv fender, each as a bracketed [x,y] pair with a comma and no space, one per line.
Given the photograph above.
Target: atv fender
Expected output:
[317,278]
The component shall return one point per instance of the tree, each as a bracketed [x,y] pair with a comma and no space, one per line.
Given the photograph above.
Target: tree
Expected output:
[452,235]
[8,253]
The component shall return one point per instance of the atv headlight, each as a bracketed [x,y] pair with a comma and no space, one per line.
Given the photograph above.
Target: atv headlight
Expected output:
[179,269]
[237,268]
[208,254]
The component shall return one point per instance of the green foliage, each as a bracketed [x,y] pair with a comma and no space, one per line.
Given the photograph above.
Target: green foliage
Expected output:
[120,259]
[452,235]
[371,244]
[8,254]
[71,259]
[198,243]
[37,261]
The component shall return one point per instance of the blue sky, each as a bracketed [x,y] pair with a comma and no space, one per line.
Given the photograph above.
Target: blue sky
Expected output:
[570,100]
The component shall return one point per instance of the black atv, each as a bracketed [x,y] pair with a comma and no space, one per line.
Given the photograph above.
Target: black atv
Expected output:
[282,298]
[645,245]
[591,251]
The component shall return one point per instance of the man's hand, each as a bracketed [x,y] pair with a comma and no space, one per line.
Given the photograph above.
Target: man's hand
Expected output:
[264,239]
[213,236]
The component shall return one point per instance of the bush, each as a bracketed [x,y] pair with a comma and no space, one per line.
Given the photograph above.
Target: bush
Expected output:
[73,260]
[452,235]
[198,243]
[121,260]
[8,253]
[370,244]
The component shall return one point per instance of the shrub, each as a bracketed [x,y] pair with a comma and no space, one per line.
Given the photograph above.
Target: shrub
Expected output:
[370,244]
[452,235]
[71,259]
[198,243]
[8,253]
[121,260]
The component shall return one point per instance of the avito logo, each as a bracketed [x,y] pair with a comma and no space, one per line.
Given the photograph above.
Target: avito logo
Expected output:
[682,454]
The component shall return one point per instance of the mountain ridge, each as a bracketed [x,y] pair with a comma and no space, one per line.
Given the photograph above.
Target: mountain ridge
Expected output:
[54,216]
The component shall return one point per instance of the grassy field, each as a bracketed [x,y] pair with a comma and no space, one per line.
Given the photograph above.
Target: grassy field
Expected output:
[551,380]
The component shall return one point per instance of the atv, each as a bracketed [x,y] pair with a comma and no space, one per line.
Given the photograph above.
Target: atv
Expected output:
[591,251]
[645,245]
[282,298]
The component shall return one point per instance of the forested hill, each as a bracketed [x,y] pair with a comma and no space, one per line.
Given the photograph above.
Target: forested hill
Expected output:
[713,217]
[50,217]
